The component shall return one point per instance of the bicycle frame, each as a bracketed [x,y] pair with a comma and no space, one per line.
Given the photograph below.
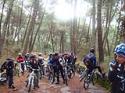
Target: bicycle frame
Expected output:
[31,80]
[65,69]
[88,78]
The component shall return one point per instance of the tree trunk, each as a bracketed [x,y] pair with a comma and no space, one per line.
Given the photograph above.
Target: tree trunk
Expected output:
[4,30]
[38,29]
[99,29]
[4,1]
[74,29]
[26,31]
[62,42]
[31,27]
[93,25]
[51,37]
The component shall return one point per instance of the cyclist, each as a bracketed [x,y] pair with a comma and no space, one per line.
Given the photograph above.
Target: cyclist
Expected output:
[27,56]
[71,61]
[9,71]
[116,70]
[40,58]
[50,59]
[20,60]
[41,63]
[50,62]
[57,67]
[34,65]
[90,62]
[27,59]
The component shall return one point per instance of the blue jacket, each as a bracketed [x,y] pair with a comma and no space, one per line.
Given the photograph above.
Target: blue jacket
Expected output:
[91,58]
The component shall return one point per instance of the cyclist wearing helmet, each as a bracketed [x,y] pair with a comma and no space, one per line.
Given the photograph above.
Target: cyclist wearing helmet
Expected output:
[27,59]
[57,67]
[40,58]
[90,62]
[20,60]
[116,70]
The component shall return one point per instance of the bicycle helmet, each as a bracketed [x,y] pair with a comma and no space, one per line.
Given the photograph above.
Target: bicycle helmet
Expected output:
[27,53]
[19,54]
[120,49]
[40,54]
[92,50]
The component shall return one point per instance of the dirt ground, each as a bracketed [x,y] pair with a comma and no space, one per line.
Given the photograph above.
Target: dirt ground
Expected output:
[74,86]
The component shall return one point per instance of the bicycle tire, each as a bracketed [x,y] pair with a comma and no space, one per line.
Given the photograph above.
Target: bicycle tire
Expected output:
[86,84]
[51,79]
[36,81]
[66,79]
[66,82]
[29,87]
[71,74]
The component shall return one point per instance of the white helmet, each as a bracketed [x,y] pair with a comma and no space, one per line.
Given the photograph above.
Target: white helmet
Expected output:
[19,54]
[40,54]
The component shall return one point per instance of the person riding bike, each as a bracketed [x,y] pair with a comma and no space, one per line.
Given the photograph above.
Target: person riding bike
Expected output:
[116,70]
[90,62]
[71,61]
[34,65]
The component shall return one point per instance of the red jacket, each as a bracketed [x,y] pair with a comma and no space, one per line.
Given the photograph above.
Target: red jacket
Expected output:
[20,59]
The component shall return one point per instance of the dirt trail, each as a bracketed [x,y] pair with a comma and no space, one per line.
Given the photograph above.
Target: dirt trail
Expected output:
[74,86]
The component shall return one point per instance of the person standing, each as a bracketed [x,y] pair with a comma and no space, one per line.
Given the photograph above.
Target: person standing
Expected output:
[20,60]
[9,72]
[116,72]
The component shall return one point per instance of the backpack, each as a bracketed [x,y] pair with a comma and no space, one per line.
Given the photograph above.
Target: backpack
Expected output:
[9,65]
[90,59]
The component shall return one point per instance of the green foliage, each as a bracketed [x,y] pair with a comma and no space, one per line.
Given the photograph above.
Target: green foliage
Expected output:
[104,83]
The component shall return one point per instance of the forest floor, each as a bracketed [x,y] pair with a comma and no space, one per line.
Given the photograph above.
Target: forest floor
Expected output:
[74,86]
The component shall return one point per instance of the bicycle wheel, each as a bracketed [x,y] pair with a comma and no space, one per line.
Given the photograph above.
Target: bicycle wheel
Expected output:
[86,82]
[71,74]
[36,82]
[66,82]
[66,79]
[51,78]
[40,74]
[29,85]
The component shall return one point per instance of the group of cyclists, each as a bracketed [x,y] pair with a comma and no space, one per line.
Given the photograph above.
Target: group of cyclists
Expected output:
[57,61]
[26,63]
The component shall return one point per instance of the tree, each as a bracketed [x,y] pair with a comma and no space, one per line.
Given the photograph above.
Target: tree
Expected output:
[93,25]
[29,34]
[99,31]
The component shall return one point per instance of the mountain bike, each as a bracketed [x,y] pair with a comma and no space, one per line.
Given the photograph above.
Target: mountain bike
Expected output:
[50,74]
[70,71]
[32,81]
[3,78]
[41,72]
[65,69]
[88,78]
